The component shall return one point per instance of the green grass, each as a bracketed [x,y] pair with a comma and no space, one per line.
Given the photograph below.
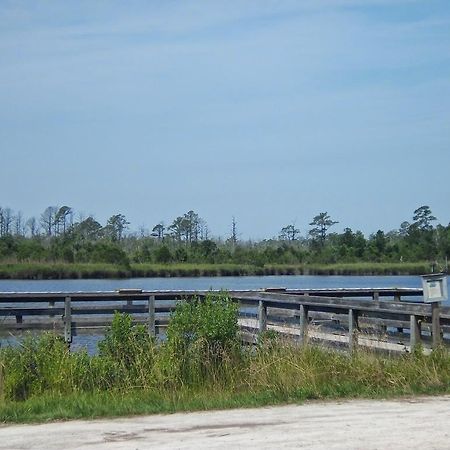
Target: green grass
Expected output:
[368,268]
[49,271]
[276,372]
[55,271]
[201,365]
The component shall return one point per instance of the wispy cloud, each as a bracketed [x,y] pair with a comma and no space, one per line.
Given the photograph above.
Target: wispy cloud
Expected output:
[300,87]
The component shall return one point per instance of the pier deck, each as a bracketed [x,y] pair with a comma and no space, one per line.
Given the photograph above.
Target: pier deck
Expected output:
[392,319]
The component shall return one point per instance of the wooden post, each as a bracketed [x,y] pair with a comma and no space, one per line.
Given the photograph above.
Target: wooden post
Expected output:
[303,324]
[67,321]
[397,298]
[376,298]
[51,304]
[352,330]
[151,316]
[414,329]
[435,324]
[262,317]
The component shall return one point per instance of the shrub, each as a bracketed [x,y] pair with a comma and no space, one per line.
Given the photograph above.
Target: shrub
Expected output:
[202,336]
[130,351]
[34,367]
[213,319]
[163,255]
[108,252]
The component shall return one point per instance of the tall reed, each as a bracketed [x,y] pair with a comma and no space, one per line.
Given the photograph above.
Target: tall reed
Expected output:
[200,365]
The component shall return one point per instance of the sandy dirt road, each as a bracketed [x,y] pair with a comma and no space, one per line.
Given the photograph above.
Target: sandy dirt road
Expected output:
[357,424]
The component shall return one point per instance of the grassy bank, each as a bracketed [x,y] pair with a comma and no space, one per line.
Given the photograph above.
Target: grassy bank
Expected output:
[271,376]
[201,365]
[47,271]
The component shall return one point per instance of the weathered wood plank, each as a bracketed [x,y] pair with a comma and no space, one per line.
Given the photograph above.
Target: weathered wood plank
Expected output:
[7,328]
[435,324]
[414,331]
[284,300]
[262,316]
[359,292]
[107,309]
[303,313]
[352,330]
[345,310]
[151,315]
[67,320]
[4,312]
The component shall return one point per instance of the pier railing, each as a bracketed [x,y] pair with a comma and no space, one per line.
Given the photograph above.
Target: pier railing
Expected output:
[381,318]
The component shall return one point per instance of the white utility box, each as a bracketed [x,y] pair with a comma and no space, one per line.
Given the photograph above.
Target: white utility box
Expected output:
[434,287]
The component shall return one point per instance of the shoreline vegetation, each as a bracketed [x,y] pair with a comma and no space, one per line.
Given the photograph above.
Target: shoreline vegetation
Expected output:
[58,246]
[60,271]
[201,365]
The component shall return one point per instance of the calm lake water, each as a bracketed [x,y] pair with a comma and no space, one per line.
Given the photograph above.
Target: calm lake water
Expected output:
[204,283]
[201,283]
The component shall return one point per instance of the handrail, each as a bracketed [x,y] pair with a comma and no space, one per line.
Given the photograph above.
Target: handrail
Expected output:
[75,312]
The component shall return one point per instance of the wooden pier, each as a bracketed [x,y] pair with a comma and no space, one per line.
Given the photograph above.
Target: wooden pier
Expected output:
[388,319]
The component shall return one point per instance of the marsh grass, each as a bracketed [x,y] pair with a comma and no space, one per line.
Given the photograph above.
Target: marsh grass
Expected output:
[201,366]
[33,271]
[77,385]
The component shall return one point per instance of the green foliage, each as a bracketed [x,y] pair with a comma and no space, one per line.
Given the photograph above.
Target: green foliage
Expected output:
[212,319]
[105,252]
[33,271]
[8,246]
[30,250]
[200,365]
[186,247]
[44,364]
[423,217]
[163,255]
[115,227]
[44,381]
[202,334]
[34,368]
[320,225]
[129,349]
[122,339]
[181,254]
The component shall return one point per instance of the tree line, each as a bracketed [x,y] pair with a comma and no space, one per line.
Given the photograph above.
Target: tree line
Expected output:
[56,236]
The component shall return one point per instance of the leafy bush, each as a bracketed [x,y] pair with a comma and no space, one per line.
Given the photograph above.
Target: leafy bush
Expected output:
[202,336]
[34,367]
[129,349]
[163,255]
[213,319]
[123,339]
[107,252]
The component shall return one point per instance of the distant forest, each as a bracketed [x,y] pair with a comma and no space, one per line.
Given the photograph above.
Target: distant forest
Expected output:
[57,237]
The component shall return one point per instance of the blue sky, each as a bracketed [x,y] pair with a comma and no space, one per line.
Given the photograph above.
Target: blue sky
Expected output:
[267,111]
